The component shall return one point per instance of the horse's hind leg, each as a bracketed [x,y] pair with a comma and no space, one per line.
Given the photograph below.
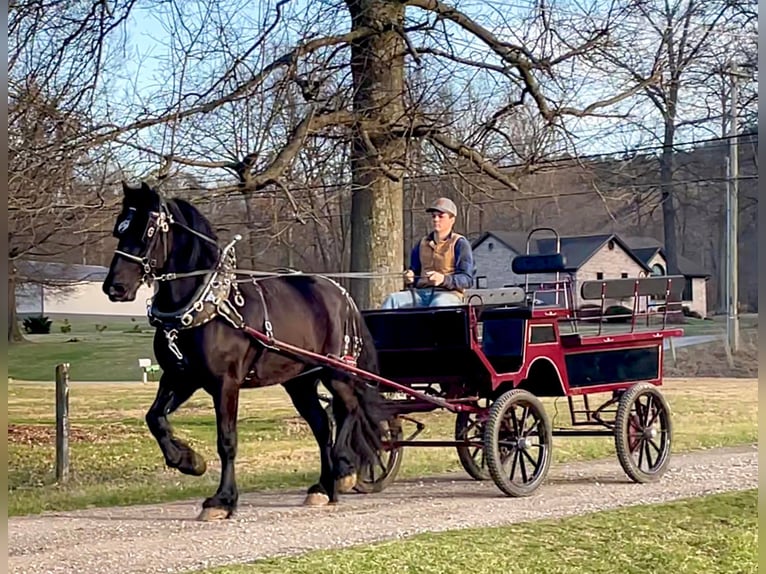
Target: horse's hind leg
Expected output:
[304,395]
[177,453]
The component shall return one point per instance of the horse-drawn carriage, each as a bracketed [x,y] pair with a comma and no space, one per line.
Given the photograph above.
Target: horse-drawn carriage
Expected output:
[489,361]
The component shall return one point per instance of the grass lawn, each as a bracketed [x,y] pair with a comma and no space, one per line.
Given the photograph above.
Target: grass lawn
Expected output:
[114,459]
[715,534]
[97,349]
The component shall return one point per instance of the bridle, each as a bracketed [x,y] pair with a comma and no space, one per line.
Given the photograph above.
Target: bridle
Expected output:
[158,227]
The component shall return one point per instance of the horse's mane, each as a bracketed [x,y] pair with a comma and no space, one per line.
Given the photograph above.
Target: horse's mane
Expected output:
[196,221]
[194,218]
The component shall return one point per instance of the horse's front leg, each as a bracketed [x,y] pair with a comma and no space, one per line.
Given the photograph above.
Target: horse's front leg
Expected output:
[177,453]
[223,503]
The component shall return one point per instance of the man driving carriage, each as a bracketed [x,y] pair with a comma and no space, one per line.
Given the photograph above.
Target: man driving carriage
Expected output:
[441,264]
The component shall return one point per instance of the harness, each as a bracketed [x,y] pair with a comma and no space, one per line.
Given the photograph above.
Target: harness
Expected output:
[213,297]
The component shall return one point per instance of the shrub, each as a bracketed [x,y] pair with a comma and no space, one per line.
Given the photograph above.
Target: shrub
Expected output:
[37,325]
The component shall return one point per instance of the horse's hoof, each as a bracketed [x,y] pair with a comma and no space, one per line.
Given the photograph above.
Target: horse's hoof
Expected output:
[194,467]
[213,513]
[346,483]
[316,499]
[199,465]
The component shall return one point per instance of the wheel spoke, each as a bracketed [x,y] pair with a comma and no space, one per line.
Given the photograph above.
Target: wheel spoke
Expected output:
[513,463]
[640,453]
[649,463]
[656,447]
[648,411]
[515,429]
[535,463]
[523,469]
[655,414]
[523,420]
[532,428]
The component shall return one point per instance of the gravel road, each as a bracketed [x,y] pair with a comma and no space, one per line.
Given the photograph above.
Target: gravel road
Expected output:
[166,538]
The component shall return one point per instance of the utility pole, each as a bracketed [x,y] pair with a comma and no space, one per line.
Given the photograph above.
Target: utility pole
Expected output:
[732,218]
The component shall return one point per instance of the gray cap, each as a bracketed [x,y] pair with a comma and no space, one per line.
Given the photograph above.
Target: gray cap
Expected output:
[444,205]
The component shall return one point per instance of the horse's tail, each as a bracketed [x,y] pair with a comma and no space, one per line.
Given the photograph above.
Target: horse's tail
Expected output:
[361,434]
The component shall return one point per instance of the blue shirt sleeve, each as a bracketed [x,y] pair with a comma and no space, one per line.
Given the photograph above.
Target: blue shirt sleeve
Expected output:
[464,267]
[415,260]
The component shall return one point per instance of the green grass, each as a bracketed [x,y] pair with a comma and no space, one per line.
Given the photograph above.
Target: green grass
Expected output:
[716,534]
[109,355]
[114,459]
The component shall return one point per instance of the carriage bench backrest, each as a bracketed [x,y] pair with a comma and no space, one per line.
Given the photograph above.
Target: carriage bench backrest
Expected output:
[499,296]
[549,263]
[643,286]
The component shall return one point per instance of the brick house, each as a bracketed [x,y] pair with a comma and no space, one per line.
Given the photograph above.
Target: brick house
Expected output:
[650,251]
[588,257]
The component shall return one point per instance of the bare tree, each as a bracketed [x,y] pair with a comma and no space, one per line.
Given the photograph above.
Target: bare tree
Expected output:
[345,77]
[680,41]
[56,55]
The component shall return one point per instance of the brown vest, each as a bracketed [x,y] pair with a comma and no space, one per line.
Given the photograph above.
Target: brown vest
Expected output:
[437,257]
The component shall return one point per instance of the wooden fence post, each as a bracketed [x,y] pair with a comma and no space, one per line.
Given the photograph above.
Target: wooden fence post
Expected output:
[62,423]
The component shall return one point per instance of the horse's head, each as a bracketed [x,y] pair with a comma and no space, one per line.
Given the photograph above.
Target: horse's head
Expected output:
[141,230]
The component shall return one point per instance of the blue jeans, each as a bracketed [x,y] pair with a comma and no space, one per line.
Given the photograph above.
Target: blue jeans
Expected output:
[423,298]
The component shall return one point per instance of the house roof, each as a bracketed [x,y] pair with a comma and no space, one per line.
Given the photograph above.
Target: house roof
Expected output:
[54,272]
[577,249]
[646,247]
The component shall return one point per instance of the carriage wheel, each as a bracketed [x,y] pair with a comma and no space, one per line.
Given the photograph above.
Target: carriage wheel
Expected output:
[517,442]
[374,478]
[472,458]
[642,433]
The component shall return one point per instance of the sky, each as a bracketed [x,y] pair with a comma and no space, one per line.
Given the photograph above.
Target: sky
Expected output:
[149,40]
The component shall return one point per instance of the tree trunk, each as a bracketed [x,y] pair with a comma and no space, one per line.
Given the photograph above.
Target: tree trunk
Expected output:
[14,332]
[377,227]
[668,206]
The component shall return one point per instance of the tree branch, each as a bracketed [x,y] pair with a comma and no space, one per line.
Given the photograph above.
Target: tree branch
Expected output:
[286,60]
[474,157]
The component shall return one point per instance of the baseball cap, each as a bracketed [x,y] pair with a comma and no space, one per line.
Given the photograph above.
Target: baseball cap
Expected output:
[444,205]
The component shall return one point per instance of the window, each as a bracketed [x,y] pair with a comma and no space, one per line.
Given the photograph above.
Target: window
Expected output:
[599,276]
[539,334]
[624,275]
[490,246]
[688,294]
[658,269]
[481,282]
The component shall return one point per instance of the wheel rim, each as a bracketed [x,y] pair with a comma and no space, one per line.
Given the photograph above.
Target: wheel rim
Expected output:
[648,433]
[523,448]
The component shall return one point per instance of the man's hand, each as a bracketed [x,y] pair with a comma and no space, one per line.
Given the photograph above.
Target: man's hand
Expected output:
[435,277]
[409,277]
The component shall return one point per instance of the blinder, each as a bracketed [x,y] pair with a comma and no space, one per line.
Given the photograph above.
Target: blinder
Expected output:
[158,223]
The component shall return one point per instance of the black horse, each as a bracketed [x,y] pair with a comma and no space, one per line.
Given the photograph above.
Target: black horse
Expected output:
[201,311]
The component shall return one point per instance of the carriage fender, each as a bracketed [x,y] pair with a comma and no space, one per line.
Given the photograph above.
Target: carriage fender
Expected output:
[543,377]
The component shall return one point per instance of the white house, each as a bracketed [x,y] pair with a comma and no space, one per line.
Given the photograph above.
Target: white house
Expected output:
[49,288]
